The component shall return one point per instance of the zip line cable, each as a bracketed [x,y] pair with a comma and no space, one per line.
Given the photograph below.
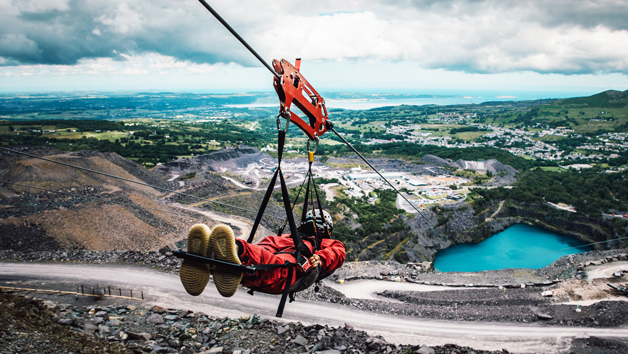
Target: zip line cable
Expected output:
[373,168]
[228,27]
[219,18]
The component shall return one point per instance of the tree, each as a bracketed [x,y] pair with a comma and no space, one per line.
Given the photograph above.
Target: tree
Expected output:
[11,128]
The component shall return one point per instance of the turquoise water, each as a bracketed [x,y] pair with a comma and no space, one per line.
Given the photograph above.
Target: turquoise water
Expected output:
[519,246]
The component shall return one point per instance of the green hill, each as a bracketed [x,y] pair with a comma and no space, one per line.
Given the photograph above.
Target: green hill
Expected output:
[603,112]
[606,99]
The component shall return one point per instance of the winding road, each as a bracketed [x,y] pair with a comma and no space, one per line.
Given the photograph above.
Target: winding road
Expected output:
[165,290]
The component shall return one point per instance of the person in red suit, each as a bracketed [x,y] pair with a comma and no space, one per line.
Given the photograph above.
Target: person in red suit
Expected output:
[220,243]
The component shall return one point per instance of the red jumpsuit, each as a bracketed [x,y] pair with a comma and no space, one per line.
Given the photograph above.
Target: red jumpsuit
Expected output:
[332,254]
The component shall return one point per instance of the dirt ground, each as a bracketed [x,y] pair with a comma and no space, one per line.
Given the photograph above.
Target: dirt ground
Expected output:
[594,288]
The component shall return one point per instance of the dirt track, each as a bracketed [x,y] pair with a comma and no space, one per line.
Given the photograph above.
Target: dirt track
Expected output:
[165,290]
[243,224]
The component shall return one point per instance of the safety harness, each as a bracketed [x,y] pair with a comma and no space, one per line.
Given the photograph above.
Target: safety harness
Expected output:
[291,87]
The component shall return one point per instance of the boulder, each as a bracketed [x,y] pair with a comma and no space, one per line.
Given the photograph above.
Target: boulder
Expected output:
[425,350]
[66,321]
[140,336]
[158,309]
[544,317]
[300,340]
[154,319]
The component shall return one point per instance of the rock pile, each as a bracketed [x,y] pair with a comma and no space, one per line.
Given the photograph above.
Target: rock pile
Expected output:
[153,329]
[29,325]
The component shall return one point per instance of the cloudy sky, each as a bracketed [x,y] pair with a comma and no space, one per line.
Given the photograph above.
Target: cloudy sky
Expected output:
[369,45]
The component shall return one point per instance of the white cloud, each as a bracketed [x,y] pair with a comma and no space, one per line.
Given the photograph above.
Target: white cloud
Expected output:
[133,65]
[123,21]
[161,37]
[36,6]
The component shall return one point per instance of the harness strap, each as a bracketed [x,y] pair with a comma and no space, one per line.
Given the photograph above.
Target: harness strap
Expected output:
[286,291]
[320,210]
[267,196]
[280,232]
[269,191]
[296,238]
[307,195]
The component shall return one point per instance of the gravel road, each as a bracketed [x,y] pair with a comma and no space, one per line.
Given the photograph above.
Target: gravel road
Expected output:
[165,290]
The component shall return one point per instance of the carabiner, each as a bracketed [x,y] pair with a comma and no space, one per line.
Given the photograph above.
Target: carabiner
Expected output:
[285,129]
[315,146]
[310,153]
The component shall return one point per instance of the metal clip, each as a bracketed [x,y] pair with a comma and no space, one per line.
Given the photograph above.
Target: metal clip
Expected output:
[310,153]
[285,129]
[315,146]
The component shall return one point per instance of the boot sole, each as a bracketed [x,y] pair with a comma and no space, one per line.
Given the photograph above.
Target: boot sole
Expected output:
[224,248]
[195,275]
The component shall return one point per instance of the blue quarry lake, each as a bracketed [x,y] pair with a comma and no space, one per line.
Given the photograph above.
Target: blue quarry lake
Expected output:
[519,246]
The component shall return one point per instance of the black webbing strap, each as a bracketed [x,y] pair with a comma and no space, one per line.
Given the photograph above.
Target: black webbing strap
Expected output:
[281,139]
[280,232]
[273,266]
[258,218]
[320,210]
[307,195]
[296,238]
[286,291]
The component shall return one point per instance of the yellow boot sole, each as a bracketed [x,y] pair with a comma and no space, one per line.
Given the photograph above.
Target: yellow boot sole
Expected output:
[224,248]
[195,275]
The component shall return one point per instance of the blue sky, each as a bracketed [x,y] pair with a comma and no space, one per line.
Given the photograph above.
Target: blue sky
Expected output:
[374,46]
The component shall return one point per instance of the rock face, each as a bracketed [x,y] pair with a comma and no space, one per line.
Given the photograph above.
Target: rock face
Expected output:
[458,224]
[504,174]
[228,157]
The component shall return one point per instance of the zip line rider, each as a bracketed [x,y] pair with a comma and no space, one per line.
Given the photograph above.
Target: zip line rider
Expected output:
[220,243]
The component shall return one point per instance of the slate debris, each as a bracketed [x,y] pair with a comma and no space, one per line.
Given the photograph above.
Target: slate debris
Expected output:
[27,325]
[37,201]
[514,304]
[162,259]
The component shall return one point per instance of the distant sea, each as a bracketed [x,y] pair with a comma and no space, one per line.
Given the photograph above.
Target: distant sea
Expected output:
[369,101]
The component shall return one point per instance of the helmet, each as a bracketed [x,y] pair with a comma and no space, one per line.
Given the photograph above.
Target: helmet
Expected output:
[309,216]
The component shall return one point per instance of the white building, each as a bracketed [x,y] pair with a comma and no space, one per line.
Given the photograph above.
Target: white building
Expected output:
[364,176]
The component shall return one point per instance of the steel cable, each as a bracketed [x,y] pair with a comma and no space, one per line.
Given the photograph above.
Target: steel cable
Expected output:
[376,171]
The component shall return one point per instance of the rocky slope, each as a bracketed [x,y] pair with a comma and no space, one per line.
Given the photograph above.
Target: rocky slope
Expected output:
[226,159]
[82,210]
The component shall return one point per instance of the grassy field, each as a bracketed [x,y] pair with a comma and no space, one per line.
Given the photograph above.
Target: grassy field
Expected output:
[552,169]
[469,136]
[363,128]
[583,115]
[549,138]
[111,136]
